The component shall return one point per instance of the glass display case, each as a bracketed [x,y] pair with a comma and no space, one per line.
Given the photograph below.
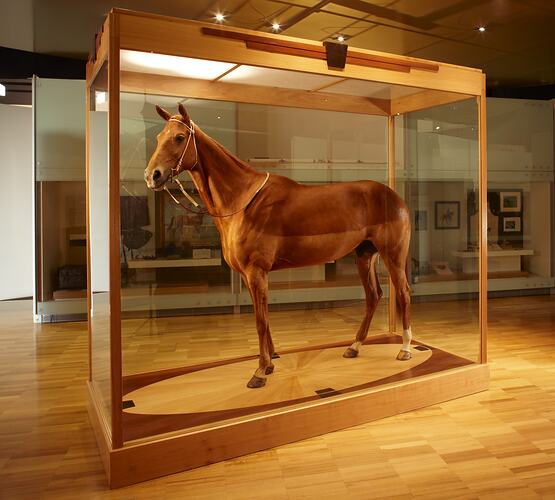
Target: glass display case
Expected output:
[168,380]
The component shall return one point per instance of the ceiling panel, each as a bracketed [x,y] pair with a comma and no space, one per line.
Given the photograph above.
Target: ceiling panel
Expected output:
[464,55]
[319,26]
[429,7]
[278,78]
[391,40]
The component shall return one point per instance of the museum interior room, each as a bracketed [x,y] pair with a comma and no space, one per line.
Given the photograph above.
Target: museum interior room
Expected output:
[277,249]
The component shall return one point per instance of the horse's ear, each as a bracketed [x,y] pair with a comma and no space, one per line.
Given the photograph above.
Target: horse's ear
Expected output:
[184,114]
[163,113]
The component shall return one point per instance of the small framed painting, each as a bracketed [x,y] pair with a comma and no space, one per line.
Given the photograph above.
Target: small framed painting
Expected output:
[512,225]
[447,214]
[510,201]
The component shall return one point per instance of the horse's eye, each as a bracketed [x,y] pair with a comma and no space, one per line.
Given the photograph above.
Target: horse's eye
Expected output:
[179,138]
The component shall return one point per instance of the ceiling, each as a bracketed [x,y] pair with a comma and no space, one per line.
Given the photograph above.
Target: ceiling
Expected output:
[517,49]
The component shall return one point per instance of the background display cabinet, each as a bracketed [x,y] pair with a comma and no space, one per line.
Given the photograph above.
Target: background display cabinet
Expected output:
[167,381]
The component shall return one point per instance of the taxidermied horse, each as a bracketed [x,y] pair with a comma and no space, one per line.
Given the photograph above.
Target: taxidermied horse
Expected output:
[268,222]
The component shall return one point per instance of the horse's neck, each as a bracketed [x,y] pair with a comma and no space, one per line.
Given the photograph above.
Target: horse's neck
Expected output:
[224,182]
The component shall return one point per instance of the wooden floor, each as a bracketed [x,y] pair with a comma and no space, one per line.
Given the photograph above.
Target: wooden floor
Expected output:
[498,444]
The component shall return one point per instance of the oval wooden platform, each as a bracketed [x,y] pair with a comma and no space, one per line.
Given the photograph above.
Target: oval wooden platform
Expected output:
[297,375]
[191,396]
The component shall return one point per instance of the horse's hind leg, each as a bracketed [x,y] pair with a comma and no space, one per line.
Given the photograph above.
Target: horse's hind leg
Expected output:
[396,267]
[257,282]
[366,264]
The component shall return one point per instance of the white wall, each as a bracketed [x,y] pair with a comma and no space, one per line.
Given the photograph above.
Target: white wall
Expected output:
[16,202]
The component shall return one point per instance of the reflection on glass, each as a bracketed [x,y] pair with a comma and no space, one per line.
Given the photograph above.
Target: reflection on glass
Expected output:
[171,258]
[439,178]
[99,238]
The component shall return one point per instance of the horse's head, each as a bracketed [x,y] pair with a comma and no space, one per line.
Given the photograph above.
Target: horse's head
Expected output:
[175,151]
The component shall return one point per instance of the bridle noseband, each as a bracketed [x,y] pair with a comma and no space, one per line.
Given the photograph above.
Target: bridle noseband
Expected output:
[175,171]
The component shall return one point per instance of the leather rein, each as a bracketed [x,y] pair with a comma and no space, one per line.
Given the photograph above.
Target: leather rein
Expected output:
[175,171]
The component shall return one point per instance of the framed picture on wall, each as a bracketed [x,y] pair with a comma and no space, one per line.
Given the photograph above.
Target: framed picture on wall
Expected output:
[447,214]
[512,225]
[510,201]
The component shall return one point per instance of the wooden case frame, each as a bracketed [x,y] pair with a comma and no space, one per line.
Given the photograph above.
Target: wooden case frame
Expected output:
[441,83]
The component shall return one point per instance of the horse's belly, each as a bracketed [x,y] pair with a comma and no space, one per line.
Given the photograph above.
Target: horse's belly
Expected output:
[297,251]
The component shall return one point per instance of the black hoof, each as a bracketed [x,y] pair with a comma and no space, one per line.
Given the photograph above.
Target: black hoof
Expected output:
[404,356]
[269,370]
[350,353]
[256,382]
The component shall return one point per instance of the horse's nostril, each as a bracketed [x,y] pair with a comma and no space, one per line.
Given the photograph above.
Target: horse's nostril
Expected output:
[156,175]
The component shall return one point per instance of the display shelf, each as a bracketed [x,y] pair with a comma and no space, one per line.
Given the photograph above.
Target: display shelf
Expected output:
[168,263]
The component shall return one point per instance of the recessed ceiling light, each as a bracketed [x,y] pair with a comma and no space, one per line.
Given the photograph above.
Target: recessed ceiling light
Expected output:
[437,127]
[2,90]
[481,29]
[340,38]
[219,17]
[275,26]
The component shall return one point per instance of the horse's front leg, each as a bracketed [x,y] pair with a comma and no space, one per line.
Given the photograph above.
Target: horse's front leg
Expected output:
[257,283]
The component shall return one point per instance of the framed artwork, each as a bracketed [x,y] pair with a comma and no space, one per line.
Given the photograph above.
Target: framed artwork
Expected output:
[512,225]
[447,214]
[420,220]
[510,201]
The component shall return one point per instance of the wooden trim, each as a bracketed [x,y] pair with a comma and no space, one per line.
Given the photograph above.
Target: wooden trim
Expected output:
[483,258]
[114,233]
[101,48]
[252,94]
[424,100]
[100,429]
[168,455]
[87,218]
[283,46]
[180,37]
[391,184]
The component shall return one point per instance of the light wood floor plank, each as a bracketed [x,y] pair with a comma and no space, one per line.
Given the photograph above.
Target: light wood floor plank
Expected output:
[497,444]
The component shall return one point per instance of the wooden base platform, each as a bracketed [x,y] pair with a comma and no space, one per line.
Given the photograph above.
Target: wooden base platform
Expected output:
[208,415]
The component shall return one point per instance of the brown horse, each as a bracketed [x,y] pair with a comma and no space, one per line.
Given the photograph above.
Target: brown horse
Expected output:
[268,222]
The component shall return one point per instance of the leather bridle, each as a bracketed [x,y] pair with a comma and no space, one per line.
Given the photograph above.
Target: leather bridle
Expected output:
[175,171]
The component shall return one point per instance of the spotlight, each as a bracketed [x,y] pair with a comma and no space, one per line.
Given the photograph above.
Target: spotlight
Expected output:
[219,17]
[275,26]
[481,29]
[340,38]
[438,127]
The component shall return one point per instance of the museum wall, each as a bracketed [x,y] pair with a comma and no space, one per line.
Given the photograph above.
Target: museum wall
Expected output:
[16,202]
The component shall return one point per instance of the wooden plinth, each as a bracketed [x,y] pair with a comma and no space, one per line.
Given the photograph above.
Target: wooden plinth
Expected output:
[208,418]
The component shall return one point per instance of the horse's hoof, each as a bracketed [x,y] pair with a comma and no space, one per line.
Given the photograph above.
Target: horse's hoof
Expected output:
[269,370]
[350,353]
[275,355]
[404,356]
[256,382]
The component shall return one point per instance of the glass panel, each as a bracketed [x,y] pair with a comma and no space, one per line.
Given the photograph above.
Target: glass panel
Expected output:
[60,174]
[172,260]
[520,187]
[437,174]
[99,238]
[190,342]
